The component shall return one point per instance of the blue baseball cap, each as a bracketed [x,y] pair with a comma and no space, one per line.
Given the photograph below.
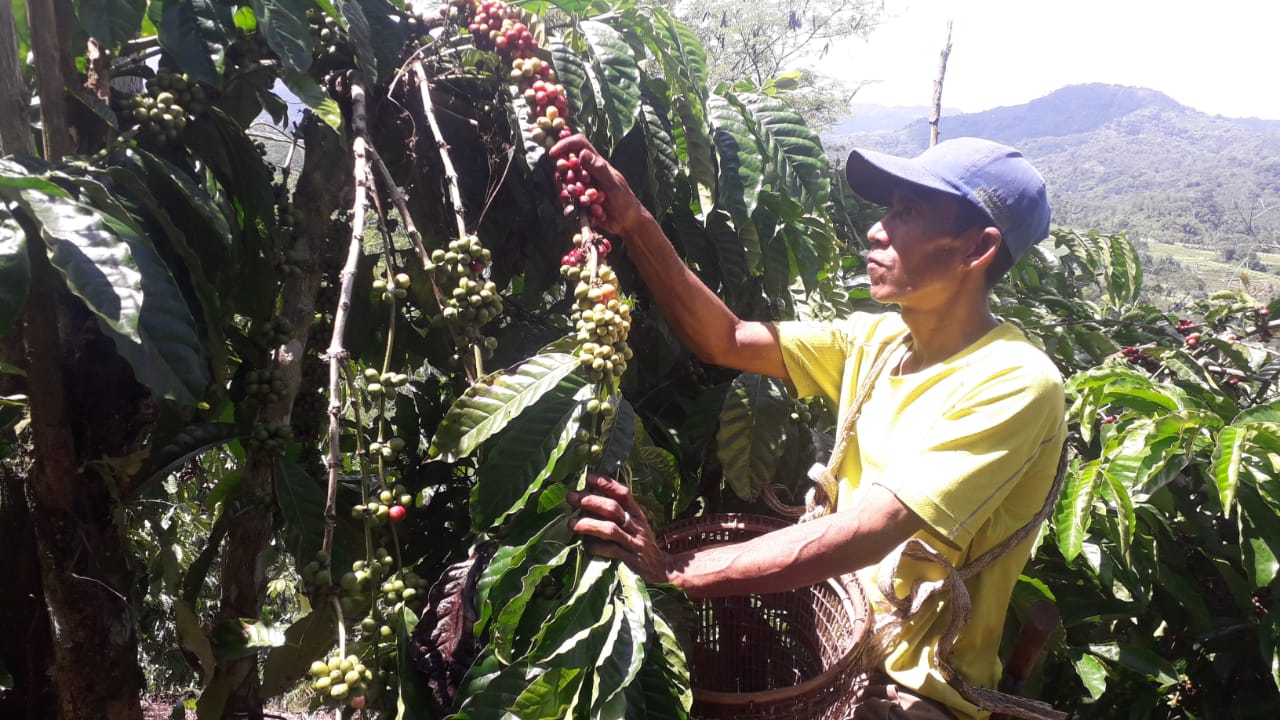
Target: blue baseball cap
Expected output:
[994,177]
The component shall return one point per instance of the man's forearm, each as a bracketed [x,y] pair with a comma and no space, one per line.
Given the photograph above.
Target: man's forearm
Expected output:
[786,559]
[699,318]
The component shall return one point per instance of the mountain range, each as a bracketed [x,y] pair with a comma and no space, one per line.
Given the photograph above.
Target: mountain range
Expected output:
[1119,158]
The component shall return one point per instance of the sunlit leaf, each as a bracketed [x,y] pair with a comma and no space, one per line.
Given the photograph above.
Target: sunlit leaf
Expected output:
[489,405]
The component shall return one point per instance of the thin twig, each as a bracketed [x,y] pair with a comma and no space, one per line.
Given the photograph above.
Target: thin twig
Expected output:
[455,194]
[337,354]
[397,199]
[415,237]
[450,174]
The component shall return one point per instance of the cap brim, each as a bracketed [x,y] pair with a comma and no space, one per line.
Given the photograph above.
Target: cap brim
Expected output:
[876,176]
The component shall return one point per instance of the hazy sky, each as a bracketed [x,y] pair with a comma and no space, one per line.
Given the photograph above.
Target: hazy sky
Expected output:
[1218,56]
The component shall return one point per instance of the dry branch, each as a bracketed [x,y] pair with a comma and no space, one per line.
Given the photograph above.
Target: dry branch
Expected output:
[450,174]
[936,113]
[337,354]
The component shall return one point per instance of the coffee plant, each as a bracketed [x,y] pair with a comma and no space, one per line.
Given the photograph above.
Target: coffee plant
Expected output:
[305,336]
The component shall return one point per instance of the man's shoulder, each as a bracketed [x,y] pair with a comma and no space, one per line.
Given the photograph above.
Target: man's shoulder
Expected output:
[857,330]
[873,328]
[1012,351]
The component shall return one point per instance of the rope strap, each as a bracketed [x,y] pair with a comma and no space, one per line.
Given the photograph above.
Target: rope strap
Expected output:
[961,605]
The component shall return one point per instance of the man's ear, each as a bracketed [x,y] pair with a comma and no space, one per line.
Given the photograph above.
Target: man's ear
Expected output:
[985,248]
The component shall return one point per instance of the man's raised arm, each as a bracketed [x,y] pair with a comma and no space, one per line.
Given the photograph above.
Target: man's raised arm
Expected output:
[699,318]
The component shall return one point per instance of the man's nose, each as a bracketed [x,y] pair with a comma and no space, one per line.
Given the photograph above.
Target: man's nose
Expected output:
[876,234]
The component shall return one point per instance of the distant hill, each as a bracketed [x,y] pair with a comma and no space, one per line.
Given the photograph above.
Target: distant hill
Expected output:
[1128,158]
[870,118]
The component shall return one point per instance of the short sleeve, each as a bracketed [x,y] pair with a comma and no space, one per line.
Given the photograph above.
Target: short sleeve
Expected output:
[976,452]
[815,355]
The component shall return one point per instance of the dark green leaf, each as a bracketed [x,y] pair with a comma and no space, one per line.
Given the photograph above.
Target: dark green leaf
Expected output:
[111,22]
[1228,453]
[661,690]
[223,144]
[615,78]
[741,168]
[624,652]
[386,35]
[504,569]
[358,29]
[301,500]
[753,428]
[167,454]
[195,34]
[589,599]
[15,272]
[618,435]
[731,255]
[543,558]
[284,25]
[128,288]
[662,165]
[573,75]
[523,456]
[549,696]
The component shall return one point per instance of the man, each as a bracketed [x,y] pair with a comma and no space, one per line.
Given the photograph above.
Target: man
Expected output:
[959,418]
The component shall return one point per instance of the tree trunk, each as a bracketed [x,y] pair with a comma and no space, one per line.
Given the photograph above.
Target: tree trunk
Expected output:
[15,133]
[25,642]
[317,195]
[83,560]
[83,563]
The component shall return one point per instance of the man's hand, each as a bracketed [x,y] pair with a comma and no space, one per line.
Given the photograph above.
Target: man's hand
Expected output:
[623,209]
[615,527]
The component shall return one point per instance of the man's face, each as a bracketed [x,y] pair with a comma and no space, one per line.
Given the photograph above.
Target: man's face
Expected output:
[915,260]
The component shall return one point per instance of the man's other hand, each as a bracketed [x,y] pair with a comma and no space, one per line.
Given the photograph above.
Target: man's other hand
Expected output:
[614,526]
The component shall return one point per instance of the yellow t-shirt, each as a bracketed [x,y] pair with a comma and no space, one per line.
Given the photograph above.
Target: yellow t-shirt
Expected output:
[970,445]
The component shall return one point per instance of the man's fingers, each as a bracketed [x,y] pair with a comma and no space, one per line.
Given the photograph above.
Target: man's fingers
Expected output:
[616,491]
[603,507]
[576,143]
[605,549]
[605,530]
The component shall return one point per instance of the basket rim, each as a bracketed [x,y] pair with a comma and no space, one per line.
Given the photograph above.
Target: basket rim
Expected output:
[845,586]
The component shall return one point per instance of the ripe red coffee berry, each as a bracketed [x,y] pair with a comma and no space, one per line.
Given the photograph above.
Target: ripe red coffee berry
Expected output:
[396,512]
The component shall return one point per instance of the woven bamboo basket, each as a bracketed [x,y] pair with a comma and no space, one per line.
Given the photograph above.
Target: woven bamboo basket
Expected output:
[778,655]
